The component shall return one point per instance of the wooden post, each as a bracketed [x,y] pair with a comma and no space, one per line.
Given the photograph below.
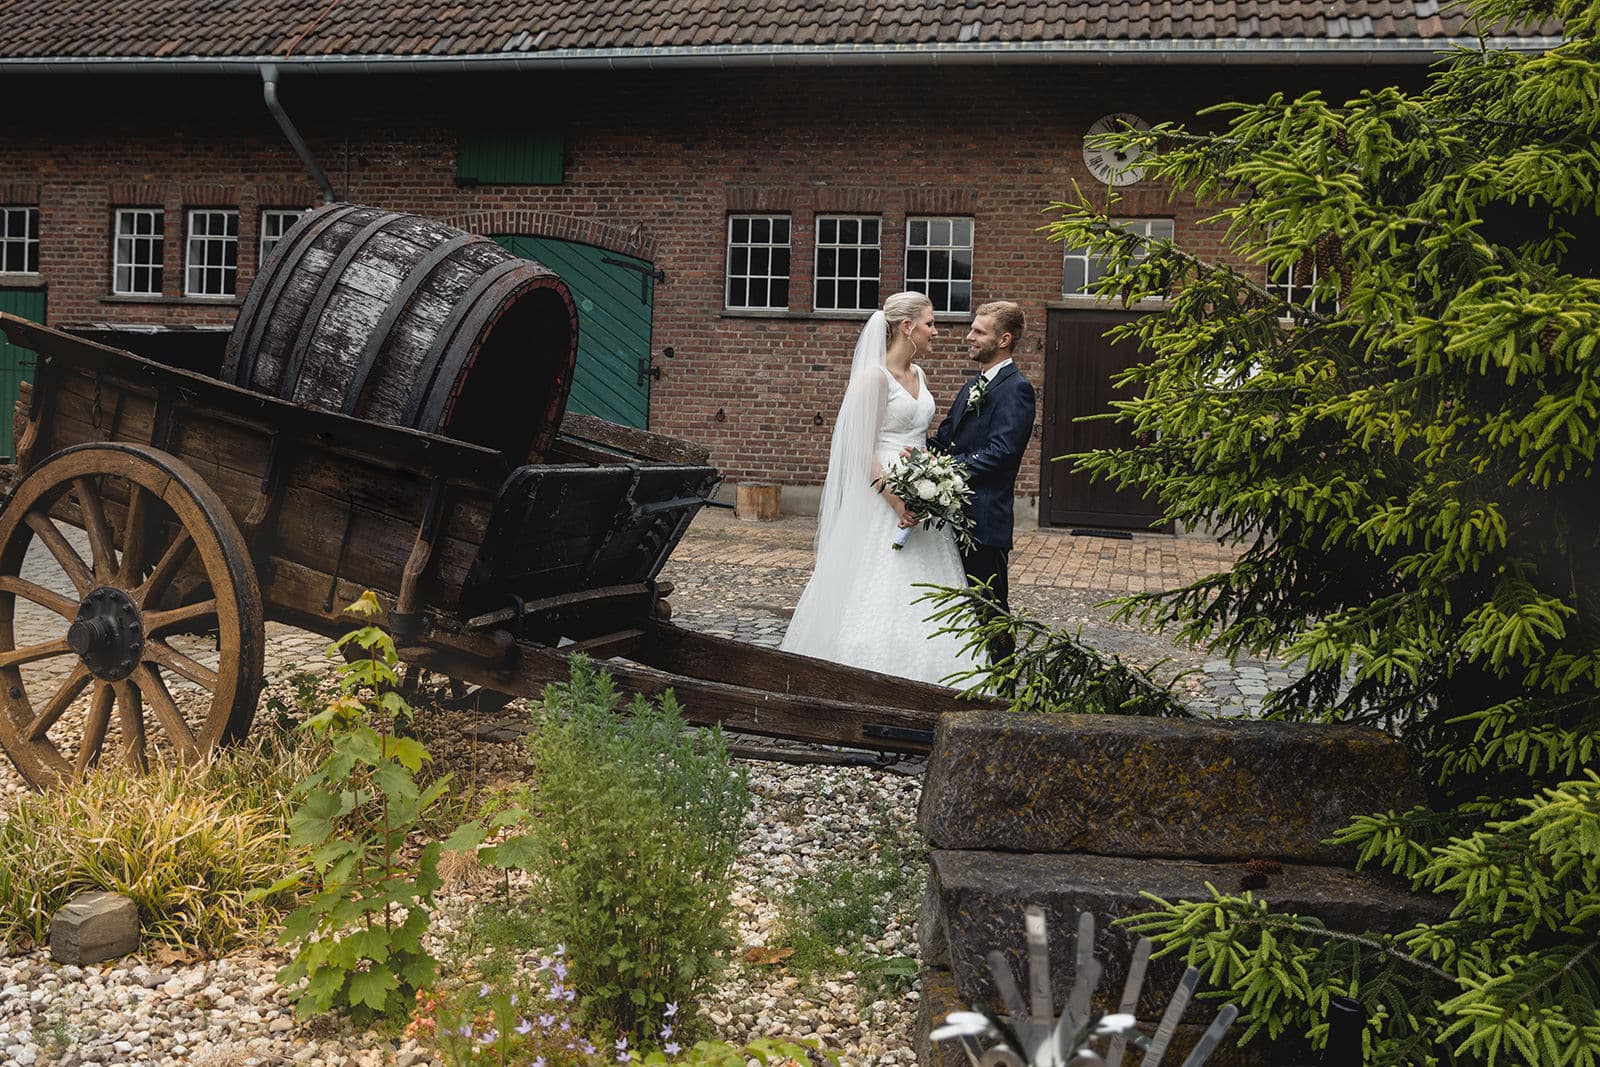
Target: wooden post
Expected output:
[757,501]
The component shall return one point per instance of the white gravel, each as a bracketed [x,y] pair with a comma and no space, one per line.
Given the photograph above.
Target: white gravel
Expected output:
[230,1012]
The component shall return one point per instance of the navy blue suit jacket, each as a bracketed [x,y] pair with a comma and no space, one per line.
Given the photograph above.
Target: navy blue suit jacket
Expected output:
[991,442]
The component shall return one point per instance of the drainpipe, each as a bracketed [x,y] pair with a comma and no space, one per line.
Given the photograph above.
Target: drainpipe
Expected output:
[269,92]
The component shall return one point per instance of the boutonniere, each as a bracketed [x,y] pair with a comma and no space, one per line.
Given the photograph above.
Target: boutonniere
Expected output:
[980,389]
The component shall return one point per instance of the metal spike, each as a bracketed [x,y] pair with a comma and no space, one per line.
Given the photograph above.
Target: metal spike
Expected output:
[1006,984]
[1169,1019]
[1213,1035]
[1130,997]
[1042,1012]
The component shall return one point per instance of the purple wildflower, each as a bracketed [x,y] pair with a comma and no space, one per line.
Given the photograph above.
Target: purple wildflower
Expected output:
[524,1027]
[672,1009]
[546,1021]
[666,1032]
[483,990]
[560,971]
[671,1048]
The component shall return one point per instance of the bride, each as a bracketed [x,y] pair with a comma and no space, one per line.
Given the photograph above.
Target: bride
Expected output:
[859,608]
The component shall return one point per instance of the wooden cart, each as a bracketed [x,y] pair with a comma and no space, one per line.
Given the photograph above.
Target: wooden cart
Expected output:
[208,508]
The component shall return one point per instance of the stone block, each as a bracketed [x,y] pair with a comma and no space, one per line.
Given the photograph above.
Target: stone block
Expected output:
[939,998]
[93,927]
[982,895]
[1119,785]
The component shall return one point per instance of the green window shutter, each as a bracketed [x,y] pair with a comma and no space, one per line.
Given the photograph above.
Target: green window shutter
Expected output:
[499,157]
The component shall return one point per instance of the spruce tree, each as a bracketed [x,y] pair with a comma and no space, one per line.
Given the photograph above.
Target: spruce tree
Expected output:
[1409,457]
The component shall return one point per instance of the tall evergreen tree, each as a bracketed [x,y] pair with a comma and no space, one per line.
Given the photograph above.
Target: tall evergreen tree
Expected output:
[1409,455]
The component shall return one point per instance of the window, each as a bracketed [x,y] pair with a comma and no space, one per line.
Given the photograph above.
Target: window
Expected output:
[498,157]
[1081,268]
[212,263]
[758,262]
[275,222]
[847,263]
[1295,286]
[939,261]
[19,240]
[138,251]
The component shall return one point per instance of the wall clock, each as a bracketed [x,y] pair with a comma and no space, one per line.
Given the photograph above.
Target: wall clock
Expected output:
[1112,167]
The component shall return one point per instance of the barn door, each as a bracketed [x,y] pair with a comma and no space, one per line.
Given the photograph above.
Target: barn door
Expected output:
[1079,365]
[615,295]
[16,364]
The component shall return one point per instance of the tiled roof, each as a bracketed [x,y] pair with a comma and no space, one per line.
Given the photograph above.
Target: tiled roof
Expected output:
[239,29]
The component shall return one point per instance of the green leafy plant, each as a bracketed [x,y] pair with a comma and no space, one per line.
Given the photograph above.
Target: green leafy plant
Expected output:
[1044,669]
[1409,457]
[631,841]
[195,854]
[828,917]
[358,938]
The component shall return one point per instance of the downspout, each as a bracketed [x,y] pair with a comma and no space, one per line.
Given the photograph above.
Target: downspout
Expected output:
[269,93]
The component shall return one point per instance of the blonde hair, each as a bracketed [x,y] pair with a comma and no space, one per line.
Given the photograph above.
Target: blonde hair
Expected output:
[1007,318]
[902,307]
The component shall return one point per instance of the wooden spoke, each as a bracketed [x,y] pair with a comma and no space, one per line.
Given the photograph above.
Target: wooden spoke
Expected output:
[46,530]
[102,545]
[33,653]
[135,530]
[164,655]
[157,621]
[131,716]
[155,693]
[94,728]
[165,570]
[63,606]
[52,711]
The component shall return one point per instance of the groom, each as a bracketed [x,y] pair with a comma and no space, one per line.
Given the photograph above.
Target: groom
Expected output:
[987,429]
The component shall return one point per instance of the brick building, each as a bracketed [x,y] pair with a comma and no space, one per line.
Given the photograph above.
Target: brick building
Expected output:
[730,188]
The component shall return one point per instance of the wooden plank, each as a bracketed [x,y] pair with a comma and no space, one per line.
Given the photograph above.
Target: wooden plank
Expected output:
[529,668]
[641,443]
[608,597]
[696,655]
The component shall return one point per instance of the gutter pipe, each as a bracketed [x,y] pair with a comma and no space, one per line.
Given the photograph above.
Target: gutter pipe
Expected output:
[1246,51]
[269,92]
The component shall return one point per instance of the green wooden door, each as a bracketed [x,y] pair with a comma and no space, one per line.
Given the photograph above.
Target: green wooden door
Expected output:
[16,364]
[614,294]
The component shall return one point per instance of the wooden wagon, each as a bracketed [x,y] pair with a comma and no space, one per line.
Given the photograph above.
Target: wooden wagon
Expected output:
[208,507]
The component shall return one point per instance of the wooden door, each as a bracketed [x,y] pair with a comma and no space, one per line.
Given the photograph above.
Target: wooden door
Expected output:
[615,295]
[16,364]
[1079,365]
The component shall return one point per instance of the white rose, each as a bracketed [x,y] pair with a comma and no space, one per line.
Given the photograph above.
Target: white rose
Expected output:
[926,489]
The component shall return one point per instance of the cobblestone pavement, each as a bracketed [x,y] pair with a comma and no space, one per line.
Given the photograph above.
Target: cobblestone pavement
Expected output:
[742,580]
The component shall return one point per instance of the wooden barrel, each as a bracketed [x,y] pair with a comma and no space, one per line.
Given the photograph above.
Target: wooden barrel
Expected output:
[400,319]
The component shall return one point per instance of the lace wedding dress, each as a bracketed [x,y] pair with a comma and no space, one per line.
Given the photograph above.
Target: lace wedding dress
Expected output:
[859,606]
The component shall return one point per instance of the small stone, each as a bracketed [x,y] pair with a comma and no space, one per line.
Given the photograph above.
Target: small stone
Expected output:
[92,927]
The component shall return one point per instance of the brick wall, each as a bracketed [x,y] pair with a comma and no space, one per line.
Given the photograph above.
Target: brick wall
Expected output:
[654,164]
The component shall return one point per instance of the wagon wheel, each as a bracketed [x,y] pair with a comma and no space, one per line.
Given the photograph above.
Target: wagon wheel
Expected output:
[90,668]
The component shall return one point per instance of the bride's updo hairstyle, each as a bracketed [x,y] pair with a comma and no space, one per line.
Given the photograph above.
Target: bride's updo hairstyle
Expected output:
[902,307]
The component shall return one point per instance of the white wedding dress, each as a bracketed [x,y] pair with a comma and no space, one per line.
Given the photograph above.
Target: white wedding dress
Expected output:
[859,607]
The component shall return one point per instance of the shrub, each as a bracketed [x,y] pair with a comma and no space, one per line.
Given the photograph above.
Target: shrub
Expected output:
[632,842]
[190,848]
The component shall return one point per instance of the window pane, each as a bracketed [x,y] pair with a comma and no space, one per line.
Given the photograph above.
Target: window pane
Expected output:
[849,231]
[963,232]
[827,263]
[1072,275]
[939,232]
[738,290]
[761,230]
[869,295]
[919,232]
[960,296]
[869,262]
[759,258]
[939,264]
[739,261]
[827,231]
[779,297]
[849,263]
[741,230]
[916,265]
[869,231]
[780,231]
[826,295]
[939,293]
[961,265]
[780,261]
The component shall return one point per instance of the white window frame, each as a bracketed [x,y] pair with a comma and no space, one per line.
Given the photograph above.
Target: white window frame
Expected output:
[942,237]
[281,219]
[1300,293]
[841,250]
[211,252]
[26,244]
[127,241]
[1094,267]
[754,250]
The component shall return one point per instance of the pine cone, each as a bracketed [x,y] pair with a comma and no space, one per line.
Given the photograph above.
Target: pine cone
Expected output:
[1548,336]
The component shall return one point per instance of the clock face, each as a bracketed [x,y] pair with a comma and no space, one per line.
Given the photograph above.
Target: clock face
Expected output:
[1114,167]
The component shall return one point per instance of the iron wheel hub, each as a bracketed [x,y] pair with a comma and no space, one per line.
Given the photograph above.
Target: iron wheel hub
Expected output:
[108,634]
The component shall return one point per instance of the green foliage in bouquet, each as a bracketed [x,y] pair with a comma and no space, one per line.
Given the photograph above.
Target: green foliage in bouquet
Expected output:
[1409,457]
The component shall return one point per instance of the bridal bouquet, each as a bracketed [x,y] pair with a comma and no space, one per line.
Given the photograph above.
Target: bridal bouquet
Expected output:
[934,486]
